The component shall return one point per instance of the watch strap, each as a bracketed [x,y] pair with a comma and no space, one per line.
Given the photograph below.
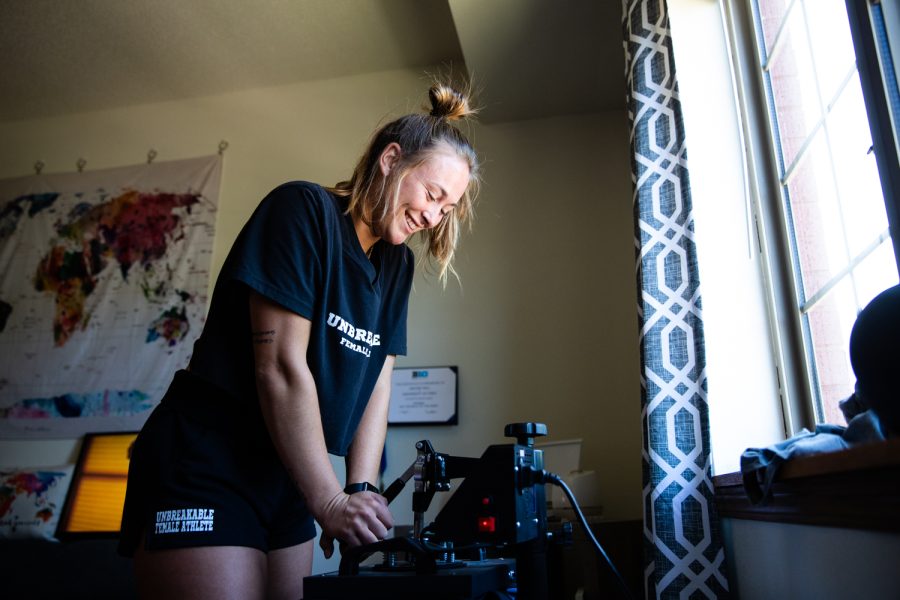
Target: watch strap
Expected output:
[365,486]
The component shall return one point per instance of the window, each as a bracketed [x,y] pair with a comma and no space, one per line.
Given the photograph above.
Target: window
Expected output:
[830,188]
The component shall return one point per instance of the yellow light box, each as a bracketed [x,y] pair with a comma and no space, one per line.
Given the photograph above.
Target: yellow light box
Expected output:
[93,506]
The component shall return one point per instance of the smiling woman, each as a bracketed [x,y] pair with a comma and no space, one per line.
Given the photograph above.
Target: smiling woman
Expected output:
[422,199]
[294,362]
[384,199]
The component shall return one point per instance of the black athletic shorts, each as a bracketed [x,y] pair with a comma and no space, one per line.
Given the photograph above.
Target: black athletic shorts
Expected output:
[203,472]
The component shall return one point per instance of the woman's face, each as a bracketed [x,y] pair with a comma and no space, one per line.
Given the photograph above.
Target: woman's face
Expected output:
[427,194]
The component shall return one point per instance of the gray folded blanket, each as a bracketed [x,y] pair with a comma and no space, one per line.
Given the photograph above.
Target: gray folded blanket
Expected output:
[760,466]
[872,412]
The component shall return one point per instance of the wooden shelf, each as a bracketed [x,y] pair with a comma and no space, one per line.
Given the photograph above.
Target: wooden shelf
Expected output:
[856,488]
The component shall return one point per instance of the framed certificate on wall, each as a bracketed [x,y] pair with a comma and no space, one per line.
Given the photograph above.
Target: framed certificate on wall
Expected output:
[424,396]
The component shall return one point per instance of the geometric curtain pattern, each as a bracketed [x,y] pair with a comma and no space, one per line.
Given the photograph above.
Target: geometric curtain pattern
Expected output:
[683,553]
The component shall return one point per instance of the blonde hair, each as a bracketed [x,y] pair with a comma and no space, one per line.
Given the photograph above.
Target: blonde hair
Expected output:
[374,196]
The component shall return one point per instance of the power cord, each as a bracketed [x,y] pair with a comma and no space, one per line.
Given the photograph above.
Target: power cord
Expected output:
[542,476]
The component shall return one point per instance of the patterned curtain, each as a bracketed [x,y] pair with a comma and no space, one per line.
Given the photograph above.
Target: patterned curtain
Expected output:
[683,554]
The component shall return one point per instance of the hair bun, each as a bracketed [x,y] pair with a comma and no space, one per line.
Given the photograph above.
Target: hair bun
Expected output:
[447,103]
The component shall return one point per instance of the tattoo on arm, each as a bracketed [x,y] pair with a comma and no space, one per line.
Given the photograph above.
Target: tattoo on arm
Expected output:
[263,337]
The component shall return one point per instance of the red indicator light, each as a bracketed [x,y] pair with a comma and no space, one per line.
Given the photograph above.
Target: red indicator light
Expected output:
[486,524]
[485,501]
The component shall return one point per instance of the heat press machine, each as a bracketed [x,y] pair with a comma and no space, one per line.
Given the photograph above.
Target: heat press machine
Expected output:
[489,541]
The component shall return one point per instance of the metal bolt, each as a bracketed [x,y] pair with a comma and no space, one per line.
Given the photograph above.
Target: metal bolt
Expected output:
[390,559]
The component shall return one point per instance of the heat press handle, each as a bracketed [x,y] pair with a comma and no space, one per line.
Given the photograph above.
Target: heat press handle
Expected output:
[397,486]
[394,489]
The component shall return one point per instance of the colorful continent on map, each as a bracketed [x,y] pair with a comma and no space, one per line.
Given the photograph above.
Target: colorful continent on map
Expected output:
[107,403]
[14,484]
[171,326]
[10,215]
[132,228]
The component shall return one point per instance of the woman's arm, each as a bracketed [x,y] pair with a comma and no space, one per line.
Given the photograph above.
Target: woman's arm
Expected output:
[290,407]
[364,457]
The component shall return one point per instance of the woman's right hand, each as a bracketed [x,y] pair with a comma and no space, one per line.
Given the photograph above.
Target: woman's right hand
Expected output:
[355,519]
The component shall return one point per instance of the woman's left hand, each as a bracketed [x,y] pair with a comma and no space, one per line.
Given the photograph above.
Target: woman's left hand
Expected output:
[356,519]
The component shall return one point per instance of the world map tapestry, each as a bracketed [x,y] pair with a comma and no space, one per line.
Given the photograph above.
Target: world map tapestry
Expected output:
[103,290]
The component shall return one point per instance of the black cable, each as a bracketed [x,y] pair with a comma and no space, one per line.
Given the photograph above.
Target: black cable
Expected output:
[555,479]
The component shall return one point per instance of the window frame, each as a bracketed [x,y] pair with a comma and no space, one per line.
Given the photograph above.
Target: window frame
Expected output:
[792,362]
[883,129]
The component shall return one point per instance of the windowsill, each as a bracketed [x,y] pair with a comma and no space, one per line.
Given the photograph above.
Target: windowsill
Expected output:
[857,488]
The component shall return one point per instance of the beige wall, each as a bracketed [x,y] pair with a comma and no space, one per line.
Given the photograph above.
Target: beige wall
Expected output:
[544,326]
[778,560]
[309,131]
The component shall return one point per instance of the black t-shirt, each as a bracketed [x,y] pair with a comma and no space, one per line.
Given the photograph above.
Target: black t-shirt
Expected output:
[300,250]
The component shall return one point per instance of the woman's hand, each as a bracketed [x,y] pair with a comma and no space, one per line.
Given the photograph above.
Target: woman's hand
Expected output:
[355,519]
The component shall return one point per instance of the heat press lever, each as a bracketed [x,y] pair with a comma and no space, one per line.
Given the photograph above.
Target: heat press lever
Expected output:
[425,455]
[398,484]
[432,471]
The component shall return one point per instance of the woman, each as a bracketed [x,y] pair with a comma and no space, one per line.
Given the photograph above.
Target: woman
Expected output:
[294,362]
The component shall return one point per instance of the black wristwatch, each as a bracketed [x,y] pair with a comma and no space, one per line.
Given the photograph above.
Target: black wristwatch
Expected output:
[365,486]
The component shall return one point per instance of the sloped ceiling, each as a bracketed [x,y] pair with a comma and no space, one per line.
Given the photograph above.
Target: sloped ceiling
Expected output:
[537,58]
[529,58]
